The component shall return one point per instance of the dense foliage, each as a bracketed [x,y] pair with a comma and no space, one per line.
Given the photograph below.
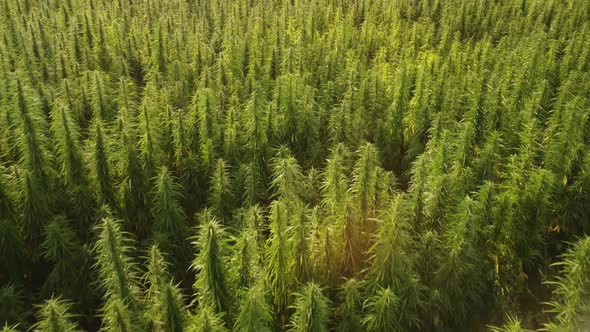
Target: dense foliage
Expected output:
[301,165]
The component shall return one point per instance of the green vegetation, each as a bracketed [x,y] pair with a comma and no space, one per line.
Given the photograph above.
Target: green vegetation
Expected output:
[295,165]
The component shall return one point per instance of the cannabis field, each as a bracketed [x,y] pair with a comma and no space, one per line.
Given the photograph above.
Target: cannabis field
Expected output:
[294,165]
